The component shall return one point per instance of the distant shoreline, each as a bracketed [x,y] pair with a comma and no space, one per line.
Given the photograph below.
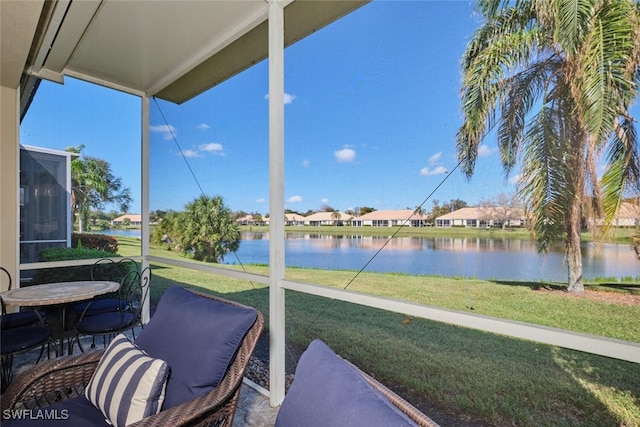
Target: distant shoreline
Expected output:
[619,236]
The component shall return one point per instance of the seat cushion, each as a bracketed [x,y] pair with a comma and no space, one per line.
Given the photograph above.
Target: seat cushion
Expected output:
[326,391]
[197,337]
[127,385]
[21,318]
[73,412]
[98,306]
[105,322]
[17,339]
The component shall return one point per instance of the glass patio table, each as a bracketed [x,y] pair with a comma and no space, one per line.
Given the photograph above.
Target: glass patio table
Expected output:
[60,293]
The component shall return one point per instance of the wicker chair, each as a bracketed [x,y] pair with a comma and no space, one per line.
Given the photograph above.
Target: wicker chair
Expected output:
[328,390]
[65,378]
[405,407]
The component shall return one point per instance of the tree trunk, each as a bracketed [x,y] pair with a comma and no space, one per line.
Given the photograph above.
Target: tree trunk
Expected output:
[574,252]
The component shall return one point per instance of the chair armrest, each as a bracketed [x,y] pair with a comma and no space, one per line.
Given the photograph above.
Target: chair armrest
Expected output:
[217,407]
[51,381]
[408,409]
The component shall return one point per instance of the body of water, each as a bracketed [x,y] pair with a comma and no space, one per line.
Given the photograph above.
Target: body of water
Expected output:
[126,233]
[481,257]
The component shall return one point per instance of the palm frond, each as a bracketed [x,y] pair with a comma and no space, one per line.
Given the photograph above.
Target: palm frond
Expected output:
[604,76]
[543,178]
[623,170]
[503,44]
[520,93]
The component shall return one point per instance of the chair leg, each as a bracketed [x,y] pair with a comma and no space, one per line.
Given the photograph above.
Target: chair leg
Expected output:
[7,371]
[72,341]
[41,352]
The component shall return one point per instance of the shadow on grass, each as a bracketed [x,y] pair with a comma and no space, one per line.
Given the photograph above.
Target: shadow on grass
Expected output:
[632,288]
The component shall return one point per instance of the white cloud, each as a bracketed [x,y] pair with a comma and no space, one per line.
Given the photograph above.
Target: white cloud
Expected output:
[438,170]
[213,148]
[435,158]
[306,163]
[484,150]
[295,199]
[168,131]
[261,200]
[190,153]
[203,126]
[346,155]
[288,98]
[204,149]
[513,180]
[324,201]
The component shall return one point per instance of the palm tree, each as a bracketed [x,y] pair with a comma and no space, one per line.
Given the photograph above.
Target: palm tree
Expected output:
[208,229]
[557,78]
[92,185]
[335,216]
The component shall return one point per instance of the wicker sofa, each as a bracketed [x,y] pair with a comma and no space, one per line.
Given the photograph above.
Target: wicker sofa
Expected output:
[185,331]
[330,391]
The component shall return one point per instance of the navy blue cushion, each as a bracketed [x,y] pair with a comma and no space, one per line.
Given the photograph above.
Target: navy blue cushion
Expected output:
[21,318]
[98,306]
[197,337]
[328,392]
[73,412]
[105,322]
[16,339]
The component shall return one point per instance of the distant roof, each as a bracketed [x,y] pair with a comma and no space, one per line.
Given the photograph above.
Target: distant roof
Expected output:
[327,216]
[49,151]
[481,212]
[399,214]
[132,218]
[628,210]
[294,217]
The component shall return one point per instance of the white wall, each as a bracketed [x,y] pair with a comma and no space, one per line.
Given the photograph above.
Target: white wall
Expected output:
[9,165]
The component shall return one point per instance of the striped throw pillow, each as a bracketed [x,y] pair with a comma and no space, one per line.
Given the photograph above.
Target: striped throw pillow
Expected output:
[127,385]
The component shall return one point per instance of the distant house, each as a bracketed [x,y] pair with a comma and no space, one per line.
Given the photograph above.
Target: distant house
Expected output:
[293,219]
[327,218]
[134,218]
[482,217]
[390,218]
[628,216]
[246,220]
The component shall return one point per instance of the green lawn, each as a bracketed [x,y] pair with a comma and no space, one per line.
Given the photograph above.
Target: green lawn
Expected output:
[461,373]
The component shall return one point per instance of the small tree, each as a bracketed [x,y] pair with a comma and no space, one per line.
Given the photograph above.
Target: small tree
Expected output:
[93,184]
[502,208]
[208,230]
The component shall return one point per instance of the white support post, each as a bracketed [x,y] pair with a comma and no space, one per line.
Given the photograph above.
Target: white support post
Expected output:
[276,203]
[144,182]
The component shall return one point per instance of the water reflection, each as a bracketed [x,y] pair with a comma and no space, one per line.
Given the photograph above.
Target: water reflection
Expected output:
[481,257]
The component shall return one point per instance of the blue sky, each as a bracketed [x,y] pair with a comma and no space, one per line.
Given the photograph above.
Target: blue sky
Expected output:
[371,114]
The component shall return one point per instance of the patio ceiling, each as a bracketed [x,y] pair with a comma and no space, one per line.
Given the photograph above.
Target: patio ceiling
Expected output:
[174,50]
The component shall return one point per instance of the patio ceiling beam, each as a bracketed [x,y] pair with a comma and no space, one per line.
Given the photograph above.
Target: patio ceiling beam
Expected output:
[303,17]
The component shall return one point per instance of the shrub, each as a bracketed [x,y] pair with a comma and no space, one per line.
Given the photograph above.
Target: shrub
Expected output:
[95,241]
[66,274]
